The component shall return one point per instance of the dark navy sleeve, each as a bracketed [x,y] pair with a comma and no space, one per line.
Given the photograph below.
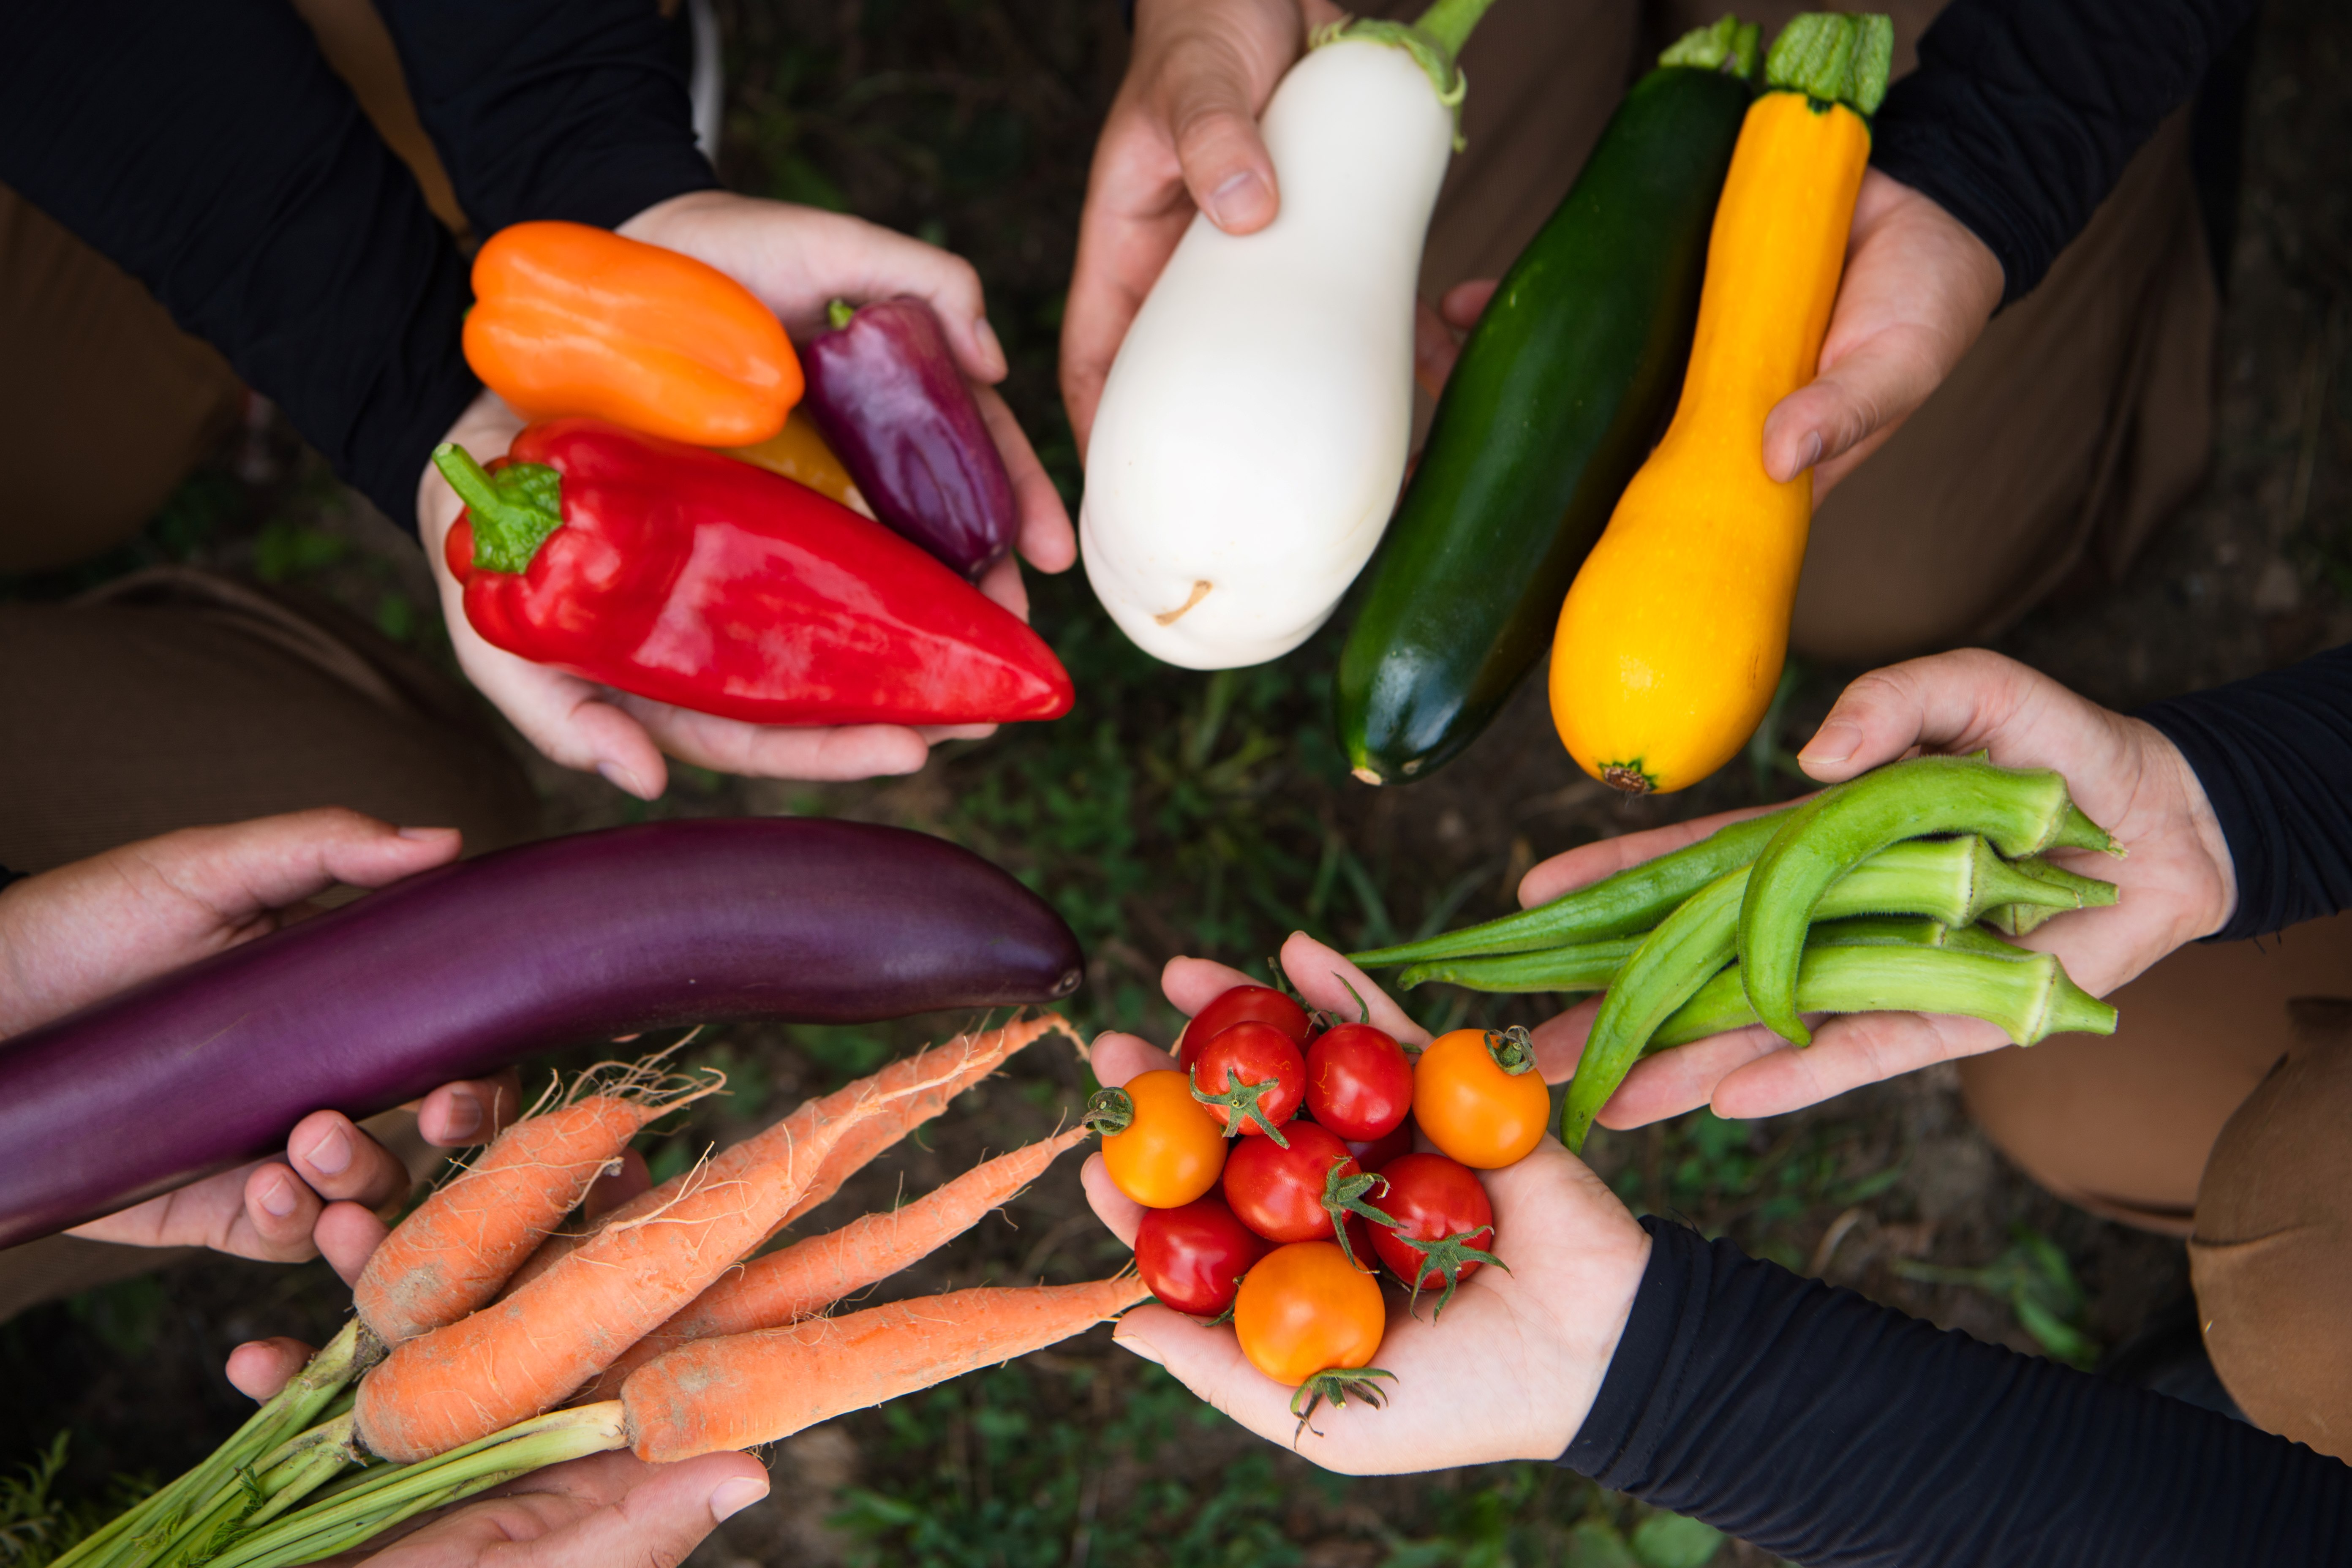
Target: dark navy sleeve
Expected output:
[554,109]
[1839,1434]
[2023,113]
[2274,754]
[212,153]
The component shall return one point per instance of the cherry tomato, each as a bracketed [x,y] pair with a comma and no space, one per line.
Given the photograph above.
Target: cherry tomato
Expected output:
[1372,1154]
[1163,1147]
[1243,1005]
[1250,1076]
[1471,1106]
[1304,1310]
[1193,1258]
[1435,1200]
[1359,1081]
[1278,1192]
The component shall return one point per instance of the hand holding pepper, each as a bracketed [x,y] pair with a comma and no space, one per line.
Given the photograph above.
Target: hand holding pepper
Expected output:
[796,261]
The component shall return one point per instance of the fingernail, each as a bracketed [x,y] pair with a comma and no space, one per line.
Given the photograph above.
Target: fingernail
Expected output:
[331,1155]
[465,1113]
[278,1199]
[1242,199]
[425,832]
[1813,450]
[992,351]
[622,779]
[1834,742]
[1137,1344]
[733,1495]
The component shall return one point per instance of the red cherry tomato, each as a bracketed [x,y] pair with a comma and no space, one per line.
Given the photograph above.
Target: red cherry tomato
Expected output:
[1193,1258]
[1249,1076]
[1440,1202]
[1359,1081]
[1278,1192]
[1243,1005]
[1372,1154]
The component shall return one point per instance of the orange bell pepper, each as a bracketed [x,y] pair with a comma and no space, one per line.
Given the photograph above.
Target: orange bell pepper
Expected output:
[572,319]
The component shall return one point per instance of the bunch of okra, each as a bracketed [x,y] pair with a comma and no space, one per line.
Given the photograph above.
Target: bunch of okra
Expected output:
[1872,896]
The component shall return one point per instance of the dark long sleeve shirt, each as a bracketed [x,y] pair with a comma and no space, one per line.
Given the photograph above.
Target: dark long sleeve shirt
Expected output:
[212,153]
[1839,1434]
[2023,113]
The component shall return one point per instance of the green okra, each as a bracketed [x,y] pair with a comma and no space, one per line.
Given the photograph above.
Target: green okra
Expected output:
[1579,966]
[1952,880]
[2026,995]
[2021,812]
[1909,931]
[1629,902]
[2017,919]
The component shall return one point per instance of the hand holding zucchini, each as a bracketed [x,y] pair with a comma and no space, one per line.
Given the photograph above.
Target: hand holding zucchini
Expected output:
[1671,640]
[1253,429]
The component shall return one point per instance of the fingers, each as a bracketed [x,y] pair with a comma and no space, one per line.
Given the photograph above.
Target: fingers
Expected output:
[1047,540]
[1950,702]
[1191,984]
[1433,349]
[1465,302]
[1846,1053]
[568,720]
[1210,104]
[342,1165]
[1560,1040]
[346,1235]
[1120,1214]
[836,753]
[259,1368]
[1588,863]
[1684,1078]
[609,1511]
[1117,1057]
[247,870]
[1330,981]
[472,1111]
[610,1191]
[1003,583]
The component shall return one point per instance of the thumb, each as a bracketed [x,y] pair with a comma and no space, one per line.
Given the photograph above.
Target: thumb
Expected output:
[1852,406]
[1210,1363]
[1952,701]
[1226,166]
[660,1521]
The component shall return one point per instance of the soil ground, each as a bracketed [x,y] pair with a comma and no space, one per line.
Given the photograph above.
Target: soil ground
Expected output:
[1175,813]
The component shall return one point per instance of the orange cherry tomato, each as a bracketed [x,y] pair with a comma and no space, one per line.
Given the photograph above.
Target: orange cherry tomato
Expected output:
[1471,1107]
[1163,1147]
[1304,1309]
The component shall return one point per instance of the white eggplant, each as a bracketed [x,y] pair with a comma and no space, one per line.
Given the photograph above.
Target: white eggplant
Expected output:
[1253,435]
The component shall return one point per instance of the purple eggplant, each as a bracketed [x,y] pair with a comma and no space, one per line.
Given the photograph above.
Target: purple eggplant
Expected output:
[890,402]
[468,968]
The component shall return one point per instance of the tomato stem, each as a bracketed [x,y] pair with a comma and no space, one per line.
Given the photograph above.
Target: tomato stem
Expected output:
[1110,1111]
[1240,1099]
[1513,1049]
[1448,1255]
[1344,1195]
[1336,1385]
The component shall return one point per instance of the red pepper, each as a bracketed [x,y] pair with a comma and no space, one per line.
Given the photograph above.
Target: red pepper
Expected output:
[686,576]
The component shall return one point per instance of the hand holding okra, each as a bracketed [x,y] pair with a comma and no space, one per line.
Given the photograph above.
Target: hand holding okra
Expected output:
[2174,886]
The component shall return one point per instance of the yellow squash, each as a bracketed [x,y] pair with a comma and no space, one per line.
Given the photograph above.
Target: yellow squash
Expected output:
[1671,640]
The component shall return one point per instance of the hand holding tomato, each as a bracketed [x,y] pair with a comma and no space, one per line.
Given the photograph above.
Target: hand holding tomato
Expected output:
[1513,1367]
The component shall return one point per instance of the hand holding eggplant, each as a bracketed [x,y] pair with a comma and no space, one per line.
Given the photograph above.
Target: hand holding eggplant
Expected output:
[85,931]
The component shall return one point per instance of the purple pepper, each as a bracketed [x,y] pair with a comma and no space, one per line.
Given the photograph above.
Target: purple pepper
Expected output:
[890,402]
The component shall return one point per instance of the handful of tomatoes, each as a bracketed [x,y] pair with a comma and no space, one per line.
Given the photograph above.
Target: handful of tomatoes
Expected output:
[1276,1163]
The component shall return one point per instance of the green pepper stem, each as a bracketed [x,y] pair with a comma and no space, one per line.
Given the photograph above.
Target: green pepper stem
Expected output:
[1730,46]
[1833,59]
[512,512]
[839,314]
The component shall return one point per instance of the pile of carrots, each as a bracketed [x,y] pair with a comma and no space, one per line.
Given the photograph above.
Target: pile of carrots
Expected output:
[488,1344]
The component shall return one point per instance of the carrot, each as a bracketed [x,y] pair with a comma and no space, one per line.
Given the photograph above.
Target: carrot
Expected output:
[744,1390]
[807,1277]
[969,1057]
[523,1354]
[454,1252]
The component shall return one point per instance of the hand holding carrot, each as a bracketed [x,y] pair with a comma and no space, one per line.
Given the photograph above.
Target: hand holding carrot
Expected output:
[88,929]
[1514,1363]
[2176,882]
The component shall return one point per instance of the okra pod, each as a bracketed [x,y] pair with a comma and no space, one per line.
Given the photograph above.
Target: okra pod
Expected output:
[2021,811]
[1953,880]
[1624,904]
[1907,930]
[1579,966]
[2027,995]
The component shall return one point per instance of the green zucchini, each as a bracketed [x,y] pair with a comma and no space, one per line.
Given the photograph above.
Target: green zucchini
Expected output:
[1559,394]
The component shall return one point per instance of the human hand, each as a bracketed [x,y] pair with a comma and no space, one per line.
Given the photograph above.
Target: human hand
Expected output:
[796,260]
[1918,287]
[84,931]
[2176,885]
[1512,1367]
[608,1510]
[1181,137]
